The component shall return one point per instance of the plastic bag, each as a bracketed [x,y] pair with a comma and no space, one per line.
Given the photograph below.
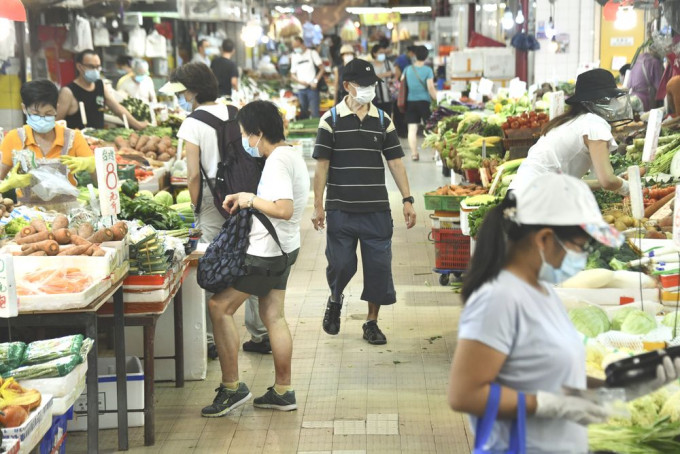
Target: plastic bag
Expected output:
[46,350]
[50,369]
[51,183]
[53,282]
[11,355]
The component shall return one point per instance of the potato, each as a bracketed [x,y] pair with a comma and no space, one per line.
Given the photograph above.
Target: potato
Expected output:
[629,221]
[620,226]
[609,219]
[150,155]
[164,157]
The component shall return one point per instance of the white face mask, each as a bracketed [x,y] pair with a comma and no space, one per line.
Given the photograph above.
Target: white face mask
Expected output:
[347,58]
[364,94]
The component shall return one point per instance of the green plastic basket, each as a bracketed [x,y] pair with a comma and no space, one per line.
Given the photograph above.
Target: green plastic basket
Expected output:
[443,202]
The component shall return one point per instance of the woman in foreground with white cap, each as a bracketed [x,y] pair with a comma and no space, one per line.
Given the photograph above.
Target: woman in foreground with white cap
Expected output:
[514,330]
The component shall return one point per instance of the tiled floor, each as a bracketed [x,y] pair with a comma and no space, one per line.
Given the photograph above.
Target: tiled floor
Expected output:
[352,397]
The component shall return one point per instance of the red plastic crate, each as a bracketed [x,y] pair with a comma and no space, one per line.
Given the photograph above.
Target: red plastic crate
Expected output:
[451,249]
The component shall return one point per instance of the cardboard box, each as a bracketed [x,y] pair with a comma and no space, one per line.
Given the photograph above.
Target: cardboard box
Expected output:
[106,371]
[466,64]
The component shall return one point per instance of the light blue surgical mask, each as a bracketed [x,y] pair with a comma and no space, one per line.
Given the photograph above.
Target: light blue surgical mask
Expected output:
[572,264]
[91,75]
[139,79]
[381,57]
[184,104]
[298,50]
[121,71]
[252,151]
[39,124]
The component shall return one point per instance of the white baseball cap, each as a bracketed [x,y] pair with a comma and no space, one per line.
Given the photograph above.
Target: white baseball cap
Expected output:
[554,199]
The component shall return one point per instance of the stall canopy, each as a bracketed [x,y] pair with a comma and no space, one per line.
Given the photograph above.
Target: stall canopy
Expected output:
[13,10]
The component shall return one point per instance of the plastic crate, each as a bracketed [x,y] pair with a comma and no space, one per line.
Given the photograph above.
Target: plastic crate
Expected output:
[443,202]
[451,249]
[54,440]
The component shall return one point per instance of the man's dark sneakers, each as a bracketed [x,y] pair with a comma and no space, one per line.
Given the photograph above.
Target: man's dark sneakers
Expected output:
[372,333]
[263,346]
[226,401]
[331,319]
[272,399]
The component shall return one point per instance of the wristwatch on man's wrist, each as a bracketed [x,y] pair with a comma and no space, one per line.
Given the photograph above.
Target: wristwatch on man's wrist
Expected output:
[408,199]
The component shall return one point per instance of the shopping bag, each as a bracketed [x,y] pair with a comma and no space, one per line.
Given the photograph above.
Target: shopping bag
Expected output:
[402,95]
[485,424]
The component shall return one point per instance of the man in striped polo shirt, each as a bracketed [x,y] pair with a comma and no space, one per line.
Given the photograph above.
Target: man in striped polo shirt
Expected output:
[352,140]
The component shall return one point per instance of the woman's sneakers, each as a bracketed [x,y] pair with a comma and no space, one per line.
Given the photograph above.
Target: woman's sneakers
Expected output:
[272,399]
[227,400]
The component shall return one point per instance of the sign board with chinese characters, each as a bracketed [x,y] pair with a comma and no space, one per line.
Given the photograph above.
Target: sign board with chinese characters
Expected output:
[676,217]
[652,134]
[556,104]
[107,177]
[9,306]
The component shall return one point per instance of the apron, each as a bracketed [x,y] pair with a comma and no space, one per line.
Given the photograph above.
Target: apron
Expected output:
[61,203]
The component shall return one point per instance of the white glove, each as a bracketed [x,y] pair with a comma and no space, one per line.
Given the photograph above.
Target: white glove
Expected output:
[624,190]
[666,372]
[574,409]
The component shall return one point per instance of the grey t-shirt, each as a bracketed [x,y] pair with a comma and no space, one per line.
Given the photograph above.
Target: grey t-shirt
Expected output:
[544,352]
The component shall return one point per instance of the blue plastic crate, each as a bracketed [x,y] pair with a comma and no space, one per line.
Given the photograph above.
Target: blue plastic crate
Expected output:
[54,440]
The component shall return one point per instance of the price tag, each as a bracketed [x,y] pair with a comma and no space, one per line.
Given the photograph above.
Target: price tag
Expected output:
[83,115]
[107,177]
[636,204]
[652,134]
[180,148]
[152,111]
[484,176]
[518,88]
[9,306]
[125,122]
[676,217]
[556,104]
[485,86]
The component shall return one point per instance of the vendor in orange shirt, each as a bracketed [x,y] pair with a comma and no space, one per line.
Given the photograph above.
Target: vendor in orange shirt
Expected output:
[53,145]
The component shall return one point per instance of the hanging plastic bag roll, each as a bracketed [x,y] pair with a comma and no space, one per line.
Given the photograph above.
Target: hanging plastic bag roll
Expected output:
[51,184]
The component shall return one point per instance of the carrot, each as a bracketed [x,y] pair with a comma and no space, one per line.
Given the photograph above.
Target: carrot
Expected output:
[85,230]
[28,230]
[101,235]
[62,236]
[39,225]
[90,250]
[73,230]
[75,250]
[35,238]
[121,142]
[50,247]
[80,241]
[142,142]
[134,138]
[98,252]
[119,230]
[656,206]
[38,254]
[60,222]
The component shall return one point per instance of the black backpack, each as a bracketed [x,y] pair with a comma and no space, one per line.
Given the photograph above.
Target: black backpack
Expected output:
[237,170]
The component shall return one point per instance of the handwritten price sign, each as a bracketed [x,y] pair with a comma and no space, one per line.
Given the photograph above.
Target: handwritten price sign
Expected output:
[9,306]
[107,177]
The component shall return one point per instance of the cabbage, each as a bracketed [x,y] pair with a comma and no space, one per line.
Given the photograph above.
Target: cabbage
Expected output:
[669,320]
[620,316]
[145,193]
[638,322]
[163,198]
[590,321]
[184,197]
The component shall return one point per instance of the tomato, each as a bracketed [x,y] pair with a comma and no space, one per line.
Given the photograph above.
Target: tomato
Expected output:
[505,126]
[535,124]
[514,125]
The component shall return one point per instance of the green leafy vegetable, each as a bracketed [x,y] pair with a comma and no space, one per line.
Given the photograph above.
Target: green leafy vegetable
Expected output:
[15,225]
[149,212]
[638,322]
[590,321]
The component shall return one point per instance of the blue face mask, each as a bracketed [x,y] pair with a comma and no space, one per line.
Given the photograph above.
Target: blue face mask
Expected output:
[298,50]
[184,104]
[138,79]
[572,264]
[381,57]
[121,71]
[39,124]
[91,75]
[252,151]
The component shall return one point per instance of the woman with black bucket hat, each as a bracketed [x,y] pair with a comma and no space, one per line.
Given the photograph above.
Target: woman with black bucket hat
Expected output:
[581,139]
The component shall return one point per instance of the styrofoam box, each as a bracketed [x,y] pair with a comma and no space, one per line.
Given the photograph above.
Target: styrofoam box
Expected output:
[10,446]
[97,267]
[607,296]
[195,348]
[155,183]
[106,371]
[62,404]
[499,63]
[466,63]
[26,431]
[59,386]
[122,251]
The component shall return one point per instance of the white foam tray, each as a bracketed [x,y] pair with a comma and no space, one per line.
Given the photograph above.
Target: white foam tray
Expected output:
[62,404]
[64,301]
[607,296]
[58,386]
[97,267]
[32,425]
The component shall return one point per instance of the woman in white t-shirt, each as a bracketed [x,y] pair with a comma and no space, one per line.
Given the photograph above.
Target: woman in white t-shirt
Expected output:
[514,330]
[282,196]
[581,139]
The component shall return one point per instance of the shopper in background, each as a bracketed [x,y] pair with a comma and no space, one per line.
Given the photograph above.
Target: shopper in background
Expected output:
[225,69]
[536,238]
[306,70]
[581,138]
[347,54]
[421,91]
[196,88]
[335,50]
[200,56]
[123,70]
[383,69]
[404,60]
[353,145]
[623,70]
[645,77]
[53,145]
[282,197]
[89,89]
[140,85]
[400,64]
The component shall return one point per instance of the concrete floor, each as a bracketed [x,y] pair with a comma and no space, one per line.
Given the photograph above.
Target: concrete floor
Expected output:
[352,397]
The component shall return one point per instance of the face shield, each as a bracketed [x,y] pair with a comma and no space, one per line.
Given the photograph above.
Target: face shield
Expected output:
[614,110]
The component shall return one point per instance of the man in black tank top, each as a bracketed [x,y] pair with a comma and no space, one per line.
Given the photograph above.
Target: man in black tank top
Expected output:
[89,89]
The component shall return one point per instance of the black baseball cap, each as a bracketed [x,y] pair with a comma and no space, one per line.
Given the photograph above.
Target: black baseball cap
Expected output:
[361,72]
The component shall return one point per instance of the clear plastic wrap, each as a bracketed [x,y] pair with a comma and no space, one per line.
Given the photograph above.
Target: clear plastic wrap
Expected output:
[49,369]
[46,350]
[11,355]
[53,282]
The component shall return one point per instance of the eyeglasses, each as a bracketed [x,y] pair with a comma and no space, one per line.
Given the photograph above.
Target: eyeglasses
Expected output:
[98,68]
[587,248]
[42,117]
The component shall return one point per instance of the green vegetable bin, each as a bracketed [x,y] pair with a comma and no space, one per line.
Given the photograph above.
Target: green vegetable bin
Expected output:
[443,202]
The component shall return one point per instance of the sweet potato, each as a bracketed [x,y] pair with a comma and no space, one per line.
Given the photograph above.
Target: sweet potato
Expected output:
[164,157]
[172,151]
[79,241]
[119,230]
[101,235]
[73,230]
[85,230]
[150,155]
[60,222]
[75,250]
[35,238]
[162,148]
[50,247]
[134,138]
[39,225]
[62,236]
[120,142]
[142,142]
